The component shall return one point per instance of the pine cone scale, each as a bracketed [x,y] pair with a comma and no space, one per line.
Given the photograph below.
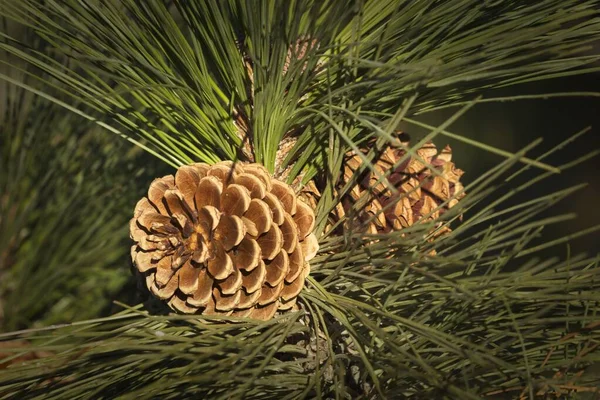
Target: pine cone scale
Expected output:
[247,255]
[187,178]
[259,214]
[188,278]
[277,269]
[208,193]
[252,280]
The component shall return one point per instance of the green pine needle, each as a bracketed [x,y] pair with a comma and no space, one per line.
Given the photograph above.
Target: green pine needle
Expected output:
[470,314]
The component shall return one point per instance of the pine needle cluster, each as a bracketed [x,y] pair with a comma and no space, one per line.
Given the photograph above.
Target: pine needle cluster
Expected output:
[475,313]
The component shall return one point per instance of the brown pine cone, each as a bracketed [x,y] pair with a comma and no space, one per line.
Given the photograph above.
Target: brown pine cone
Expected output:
[8,349]
[420,191]
[298,51]
[223,239]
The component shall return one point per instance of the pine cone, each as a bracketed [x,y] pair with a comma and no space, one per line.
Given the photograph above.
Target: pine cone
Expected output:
[223,239]
[298,51]
[26,354]
[420,190]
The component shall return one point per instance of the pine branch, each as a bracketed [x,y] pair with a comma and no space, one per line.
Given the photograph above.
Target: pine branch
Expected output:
[474,319]
[406,313]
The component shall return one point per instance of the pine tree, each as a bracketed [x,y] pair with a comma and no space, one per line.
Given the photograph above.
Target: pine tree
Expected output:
[420,288]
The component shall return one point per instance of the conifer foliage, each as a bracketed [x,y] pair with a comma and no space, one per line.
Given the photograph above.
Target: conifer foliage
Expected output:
[304,247]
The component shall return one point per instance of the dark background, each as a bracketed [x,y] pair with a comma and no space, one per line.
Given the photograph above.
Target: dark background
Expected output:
[512,125]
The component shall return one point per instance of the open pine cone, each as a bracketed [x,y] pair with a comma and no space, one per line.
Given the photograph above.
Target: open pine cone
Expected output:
[420,191]
[223,239]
